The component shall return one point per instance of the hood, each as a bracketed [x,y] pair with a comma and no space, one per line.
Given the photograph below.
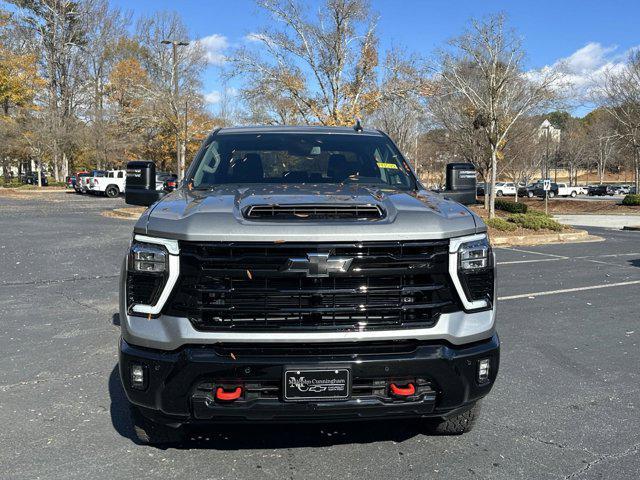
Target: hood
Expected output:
[217,215]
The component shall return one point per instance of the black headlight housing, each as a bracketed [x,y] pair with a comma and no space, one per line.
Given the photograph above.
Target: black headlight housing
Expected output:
[147,273]
[476,270]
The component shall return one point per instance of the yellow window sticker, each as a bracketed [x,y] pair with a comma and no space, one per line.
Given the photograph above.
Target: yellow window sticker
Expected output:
[390,166]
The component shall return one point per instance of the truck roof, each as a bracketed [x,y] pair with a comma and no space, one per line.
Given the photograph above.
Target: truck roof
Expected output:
[291,129]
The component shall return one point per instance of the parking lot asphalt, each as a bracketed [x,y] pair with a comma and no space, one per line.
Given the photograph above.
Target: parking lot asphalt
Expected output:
[565,404]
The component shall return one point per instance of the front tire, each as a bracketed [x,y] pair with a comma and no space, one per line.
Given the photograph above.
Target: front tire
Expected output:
[149,432]
[455,424]
[499,193]
[112,191]
[551,194]
[574,194]
[530,194]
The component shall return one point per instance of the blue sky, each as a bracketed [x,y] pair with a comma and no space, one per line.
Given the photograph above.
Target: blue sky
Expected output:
[589,34]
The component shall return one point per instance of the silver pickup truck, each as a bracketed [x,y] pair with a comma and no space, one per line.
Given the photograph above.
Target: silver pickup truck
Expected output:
[303,274]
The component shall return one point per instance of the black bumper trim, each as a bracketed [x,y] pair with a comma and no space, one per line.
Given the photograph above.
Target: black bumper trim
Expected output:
[172,395]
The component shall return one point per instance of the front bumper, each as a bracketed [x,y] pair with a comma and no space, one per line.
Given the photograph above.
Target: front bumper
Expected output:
[180,384]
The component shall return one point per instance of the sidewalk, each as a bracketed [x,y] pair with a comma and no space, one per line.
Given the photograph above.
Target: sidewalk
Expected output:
[605,221]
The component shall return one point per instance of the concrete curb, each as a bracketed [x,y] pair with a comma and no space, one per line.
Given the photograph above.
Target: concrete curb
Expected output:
[533,239]
[34,190]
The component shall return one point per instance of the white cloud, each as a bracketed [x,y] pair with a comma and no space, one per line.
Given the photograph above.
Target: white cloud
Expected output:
[586,67]
[212,97]
[215,96]
[214,47]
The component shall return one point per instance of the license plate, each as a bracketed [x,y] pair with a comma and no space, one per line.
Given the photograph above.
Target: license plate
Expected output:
[326,384]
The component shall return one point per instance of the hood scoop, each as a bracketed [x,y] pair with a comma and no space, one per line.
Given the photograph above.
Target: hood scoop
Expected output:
[314,212]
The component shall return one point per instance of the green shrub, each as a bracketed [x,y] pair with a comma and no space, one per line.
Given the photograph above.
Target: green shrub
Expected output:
[501,224]
[13,183]
[535,221]
[511,207]
[539,213]
[631,200]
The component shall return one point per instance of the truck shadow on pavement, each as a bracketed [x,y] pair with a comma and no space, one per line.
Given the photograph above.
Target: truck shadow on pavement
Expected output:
[268,436]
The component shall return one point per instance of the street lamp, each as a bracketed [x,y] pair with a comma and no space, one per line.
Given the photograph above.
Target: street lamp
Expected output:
[174,81]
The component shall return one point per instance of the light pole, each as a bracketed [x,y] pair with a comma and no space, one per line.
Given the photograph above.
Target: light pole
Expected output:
[174,81]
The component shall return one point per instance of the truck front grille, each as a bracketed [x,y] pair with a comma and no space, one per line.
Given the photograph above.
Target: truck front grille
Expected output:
[247,286]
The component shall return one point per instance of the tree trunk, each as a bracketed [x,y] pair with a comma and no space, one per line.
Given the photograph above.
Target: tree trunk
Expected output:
[636,172]
[5,169]
[486,190]
[492,193]
[65,166]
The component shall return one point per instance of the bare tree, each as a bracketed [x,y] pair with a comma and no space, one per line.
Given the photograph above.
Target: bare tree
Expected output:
[619,94]
[57,29]
[573,147]
[603,140]
[401,110]
[484,69]
[522,153]
[170,75]
[313,67]
[105,28]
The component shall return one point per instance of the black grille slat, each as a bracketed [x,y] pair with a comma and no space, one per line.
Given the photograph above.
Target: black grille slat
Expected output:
[314,212]
[245,287]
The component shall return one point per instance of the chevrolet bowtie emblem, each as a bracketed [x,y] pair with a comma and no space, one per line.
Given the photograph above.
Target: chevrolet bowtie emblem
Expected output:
[319,265]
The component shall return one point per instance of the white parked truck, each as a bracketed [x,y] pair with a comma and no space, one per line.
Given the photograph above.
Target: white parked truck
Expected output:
[111,184]
[564,190]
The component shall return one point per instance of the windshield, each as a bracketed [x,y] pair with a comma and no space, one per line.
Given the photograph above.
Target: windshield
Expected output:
[301,158]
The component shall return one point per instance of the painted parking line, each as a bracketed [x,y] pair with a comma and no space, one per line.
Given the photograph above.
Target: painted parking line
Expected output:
[537,260]
[568,290]
[590,258]
[536,253]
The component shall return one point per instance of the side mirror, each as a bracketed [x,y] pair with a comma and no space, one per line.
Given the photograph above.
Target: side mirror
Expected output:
[141,197]
[140,187]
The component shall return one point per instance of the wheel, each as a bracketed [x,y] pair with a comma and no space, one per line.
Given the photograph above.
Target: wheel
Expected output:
[149,432]
[574,194]
[530,194]
[551,194]
[456,424]
[112,191]
[499,193]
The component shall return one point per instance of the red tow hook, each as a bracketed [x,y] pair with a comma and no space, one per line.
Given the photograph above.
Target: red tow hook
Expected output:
[228,396]
[407,391]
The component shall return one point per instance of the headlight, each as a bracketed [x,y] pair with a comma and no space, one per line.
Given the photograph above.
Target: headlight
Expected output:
[148,265]
[472,269]
[145,257]
[474,255]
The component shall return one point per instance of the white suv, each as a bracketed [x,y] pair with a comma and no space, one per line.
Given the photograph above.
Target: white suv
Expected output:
[505,188]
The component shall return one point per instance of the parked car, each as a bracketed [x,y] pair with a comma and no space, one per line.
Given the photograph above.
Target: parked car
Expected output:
[86,181]
[565,190]
[601,190]
[161,177]
[620,189]
[505,188]
[111,184]
[80,180]
[170,184]
[31,178]
[539,190]
[260,264]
